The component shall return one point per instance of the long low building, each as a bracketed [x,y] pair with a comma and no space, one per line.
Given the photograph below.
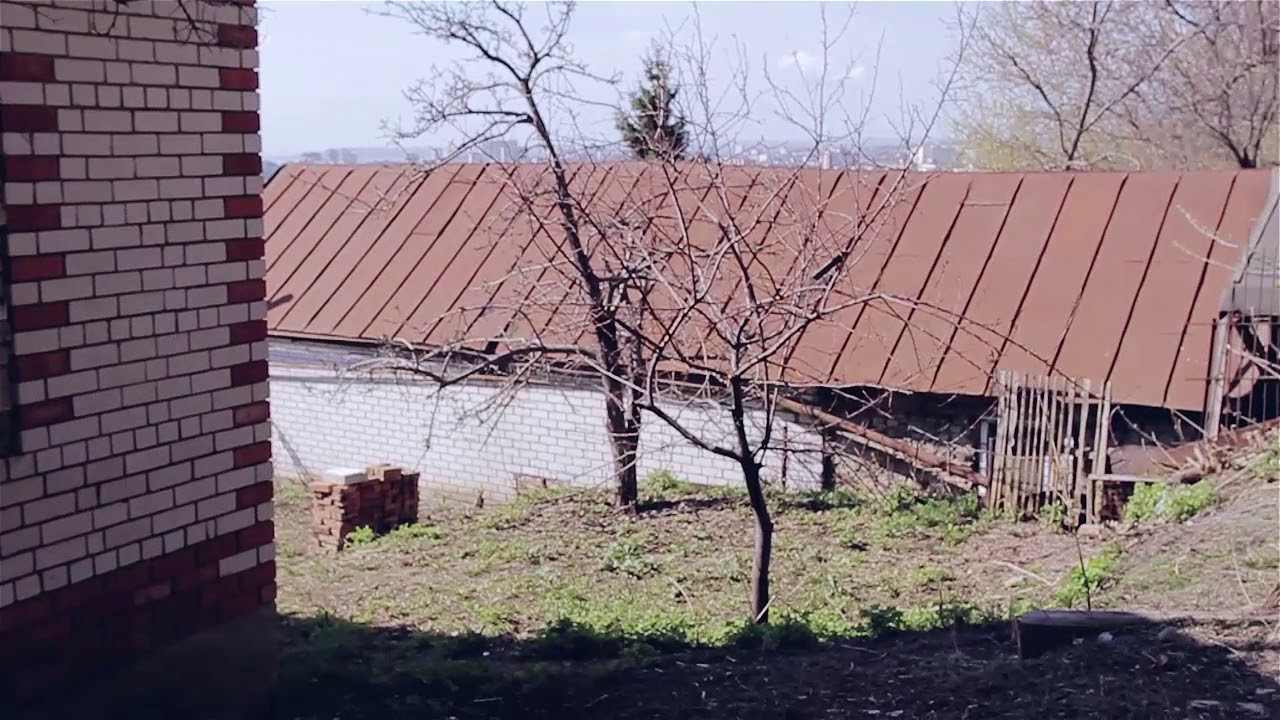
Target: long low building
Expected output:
[1114,278]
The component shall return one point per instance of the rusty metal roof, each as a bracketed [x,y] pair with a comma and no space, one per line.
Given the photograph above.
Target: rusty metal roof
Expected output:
[1113,276]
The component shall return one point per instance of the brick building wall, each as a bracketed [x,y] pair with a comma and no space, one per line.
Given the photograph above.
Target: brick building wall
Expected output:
[135,499]
[474,438]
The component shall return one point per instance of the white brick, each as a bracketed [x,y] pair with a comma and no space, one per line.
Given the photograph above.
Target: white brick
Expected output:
[128,555]
[109,96]
[118,73]
[91,46]
[220,143]
[34,41]
[238,562]
[156,122]
[154,74]
[159,167]
[176,518]
[60,553]
[137,50]
[178,53]
[109,120]
[199,77]
[112,167]
[28,93]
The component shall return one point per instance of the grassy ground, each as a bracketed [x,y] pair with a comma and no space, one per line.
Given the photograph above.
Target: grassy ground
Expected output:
[557,605]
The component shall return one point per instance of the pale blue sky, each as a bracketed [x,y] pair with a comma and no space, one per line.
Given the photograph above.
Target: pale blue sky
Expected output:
[331,72]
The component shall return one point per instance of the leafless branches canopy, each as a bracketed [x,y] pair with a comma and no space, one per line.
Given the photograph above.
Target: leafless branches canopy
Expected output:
[1130,85]
[675,283]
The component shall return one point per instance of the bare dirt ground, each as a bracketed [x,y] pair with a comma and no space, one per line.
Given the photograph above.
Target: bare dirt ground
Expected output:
[558,606]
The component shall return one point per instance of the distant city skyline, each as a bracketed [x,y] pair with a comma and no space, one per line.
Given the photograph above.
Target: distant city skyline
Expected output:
[319,93]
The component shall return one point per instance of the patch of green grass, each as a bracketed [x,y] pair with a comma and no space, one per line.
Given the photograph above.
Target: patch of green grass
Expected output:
[292,492]
[628,556]
[1083,583]
[1169,502]
[415,531]
[360,536]
[1268,559]
[906,512]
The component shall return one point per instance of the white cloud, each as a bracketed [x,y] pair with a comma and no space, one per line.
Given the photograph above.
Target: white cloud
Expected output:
[856,72]
[801,60]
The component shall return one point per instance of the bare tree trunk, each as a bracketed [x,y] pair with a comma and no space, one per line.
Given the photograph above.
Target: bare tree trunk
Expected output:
[764,542]
[829,443]
[624,437]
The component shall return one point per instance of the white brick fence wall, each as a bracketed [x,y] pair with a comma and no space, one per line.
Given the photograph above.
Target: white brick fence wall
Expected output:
[324,419]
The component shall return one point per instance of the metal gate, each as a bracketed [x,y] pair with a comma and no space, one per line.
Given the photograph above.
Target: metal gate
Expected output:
[1051,434]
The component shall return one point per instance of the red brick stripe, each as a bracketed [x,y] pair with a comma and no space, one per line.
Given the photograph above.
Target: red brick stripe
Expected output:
[41,315]
[240,122]
[248,373]
[250,249]
[247,332]
[25,67]
[29,118]
[46,412]
[254,454]
[42,365]
[238,79]
[36,267]
[31,168]
[28,218]
[237,36]
[246,291]
[248,206]
[242,164]
[253,496]
[251,414]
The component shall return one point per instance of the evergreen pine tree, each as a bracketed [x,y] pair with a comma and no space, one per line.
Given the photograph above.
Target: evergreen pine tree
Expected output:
[653,128]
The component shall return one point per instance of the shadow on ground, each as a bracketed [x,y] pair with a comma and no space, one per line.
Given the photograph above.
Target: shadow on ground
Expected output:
[331,669]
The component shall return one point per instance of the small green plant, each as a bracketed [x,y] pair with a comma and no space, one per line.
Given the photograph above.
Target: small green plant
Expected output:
[1087,579]
[664,484]
[931,576]
[880,619]
[1169,503]
[627,556]
[1053,517]
[362,535]
[1267,465]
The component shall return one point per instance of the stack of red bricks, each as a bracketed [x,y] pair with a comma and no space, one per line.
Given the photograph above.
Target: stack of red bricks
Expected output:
[380,498]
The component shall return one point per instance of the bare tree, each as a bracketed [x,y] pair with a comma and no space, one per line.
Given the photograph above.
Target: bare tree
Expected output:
[686,288]
[1107,84]
[518,66]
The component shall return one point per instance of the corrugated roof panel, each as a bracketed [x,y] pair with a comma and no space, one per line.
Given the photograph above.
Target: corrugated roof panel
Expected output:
[1149,347]
[904,275]
[844,216]
[1055,289]
[295,302]
[309,192]
[946,294]
[975,349]
[891,210]
[360,252]
[388,299]
[1187,387]
[1098,321]
[328,299]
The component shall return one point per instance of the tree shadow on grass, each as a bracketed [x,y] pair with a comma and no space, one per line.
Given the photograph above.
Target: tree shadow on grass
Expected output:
[331,668]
